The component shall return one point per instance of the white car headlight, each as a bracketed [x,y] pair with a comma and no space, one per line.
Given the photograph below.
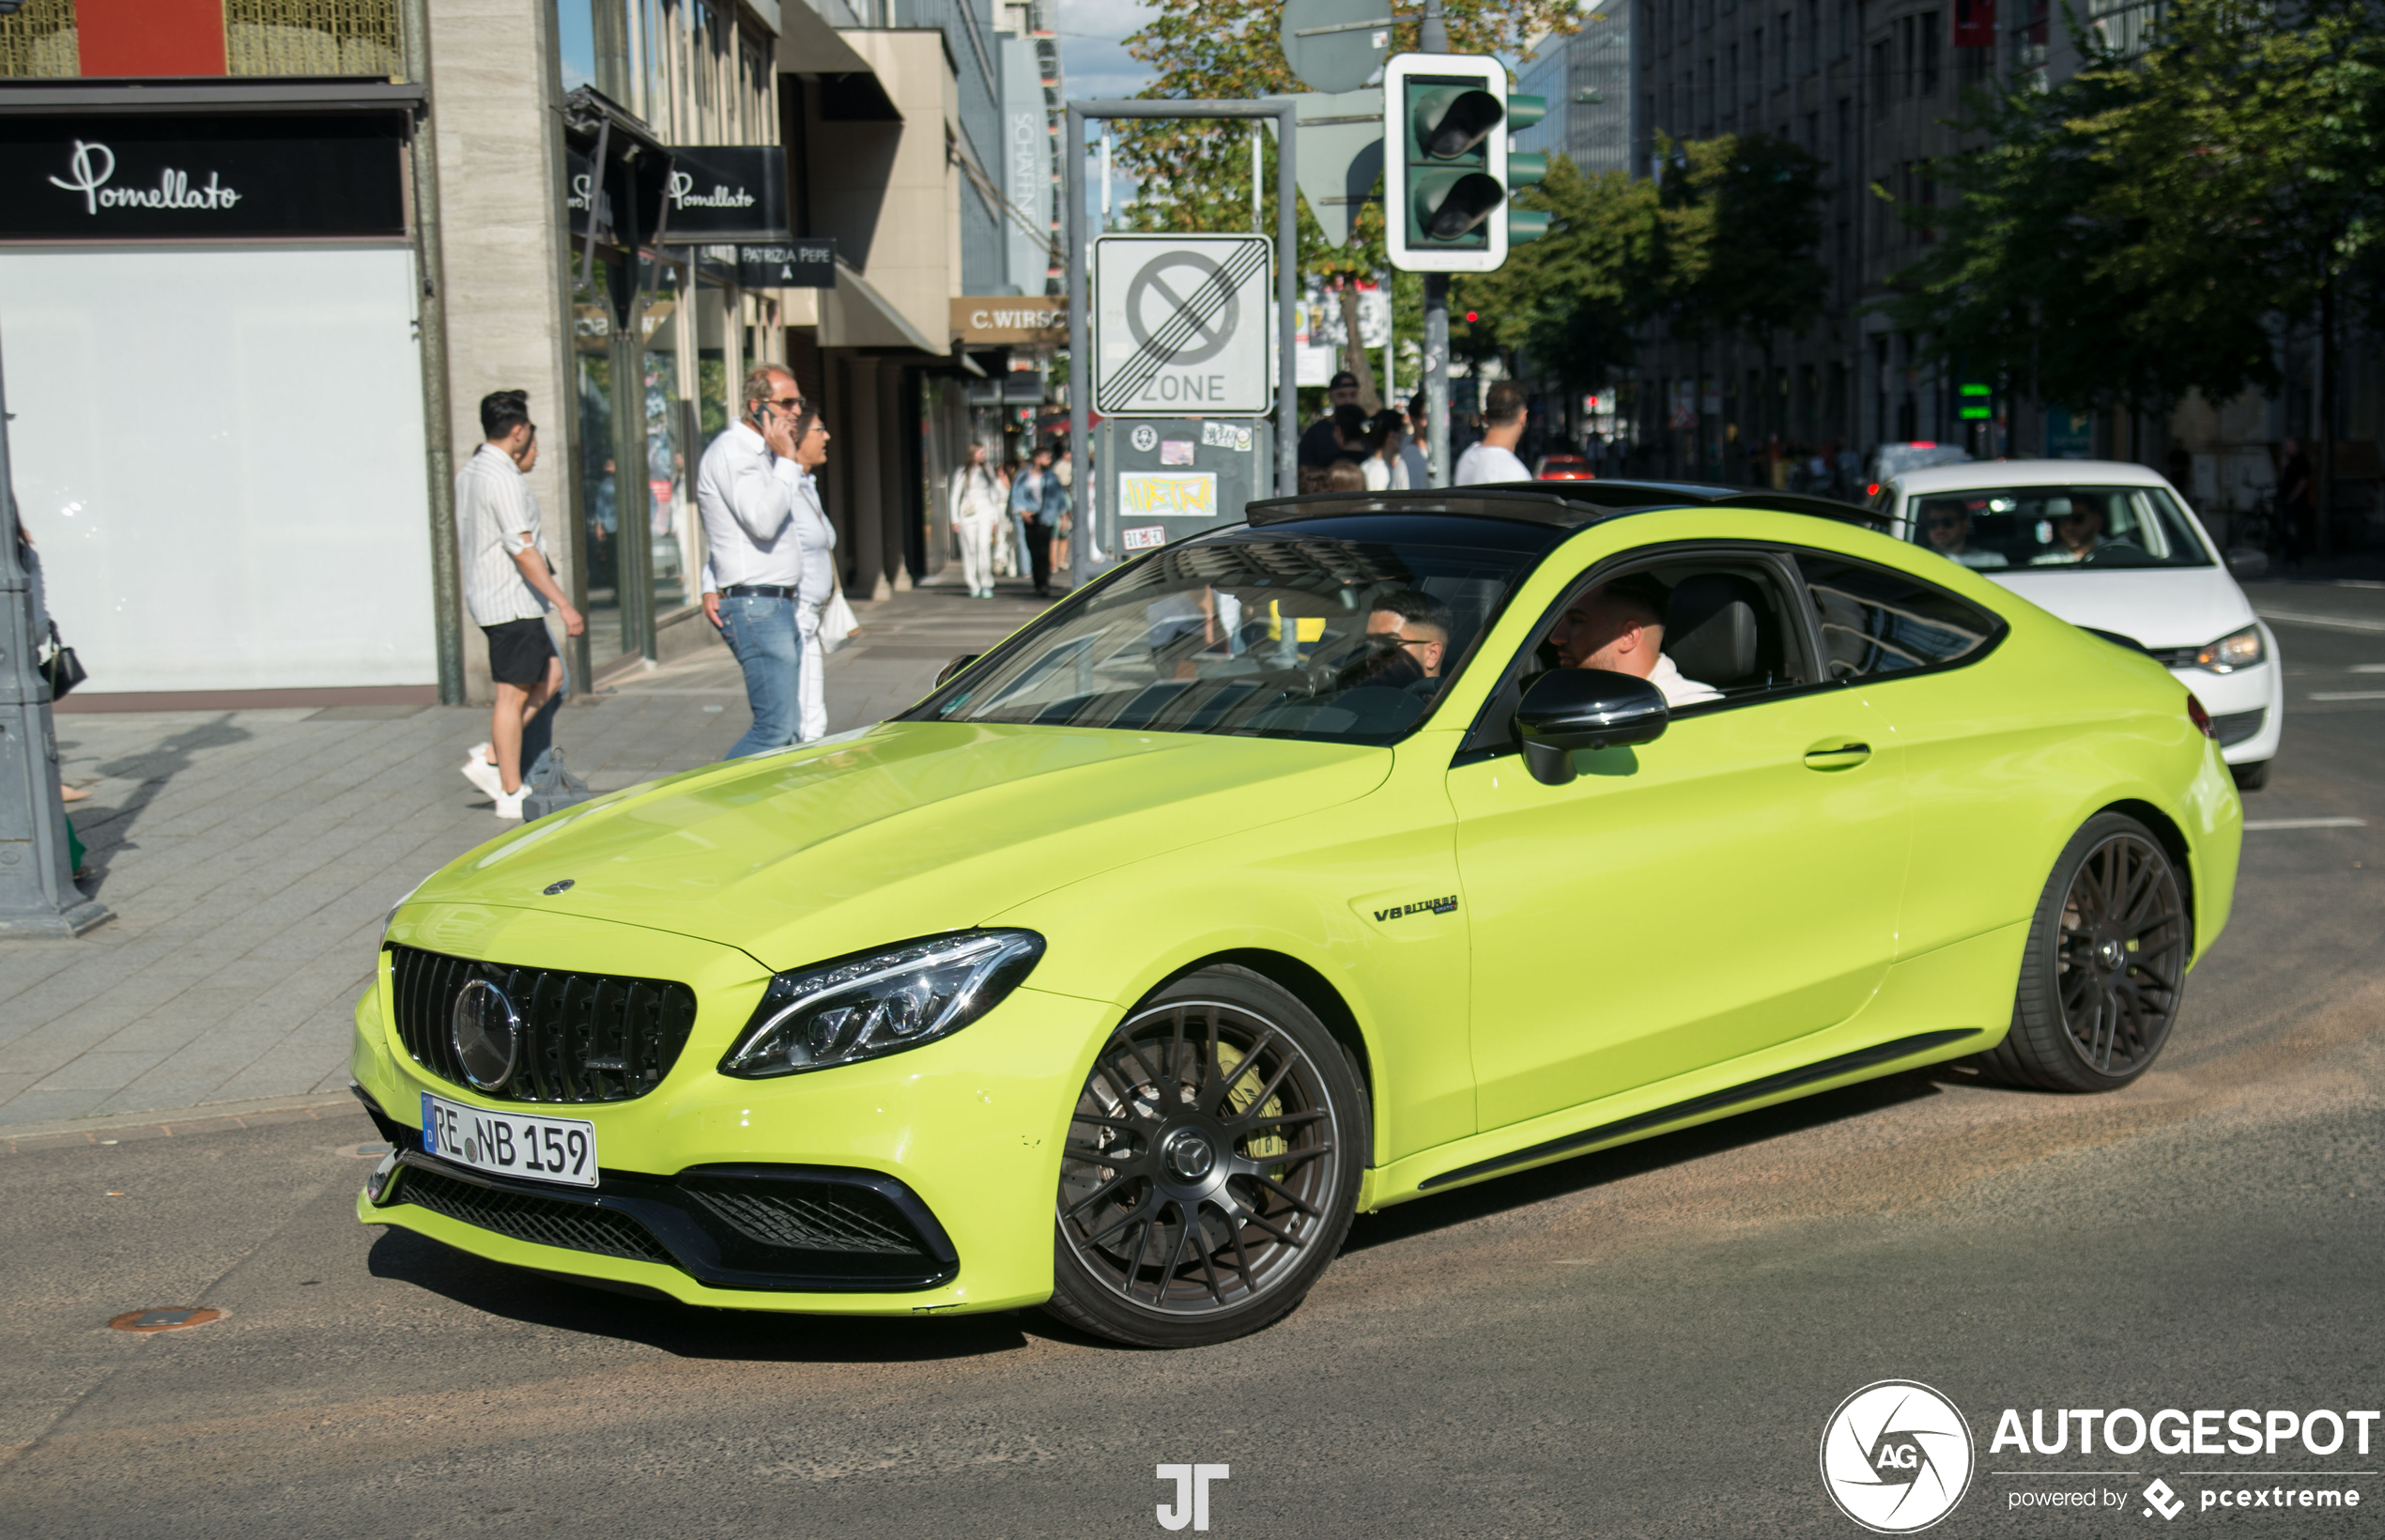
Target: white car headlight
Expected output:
[881,1003]
[2236,649]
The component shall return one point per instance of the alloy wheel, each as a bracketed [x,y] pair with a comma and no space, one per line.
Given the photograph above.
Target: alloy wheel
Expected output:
[1202,1160]
[2121,957]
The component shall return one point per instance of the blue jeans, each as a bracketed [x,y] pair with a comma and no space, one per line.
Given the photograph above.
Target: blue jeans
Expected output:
[762,633]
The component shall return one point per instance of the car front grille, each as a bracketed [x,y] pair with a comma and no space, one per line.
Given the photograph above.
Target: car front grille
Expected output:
[2238,726]
[548,1221]
[585,1037]
[815,1218]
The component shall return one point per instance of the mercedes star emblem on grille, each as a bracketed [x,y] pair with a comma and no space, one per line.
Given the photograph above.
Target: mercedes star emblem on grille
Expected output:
[486,1033]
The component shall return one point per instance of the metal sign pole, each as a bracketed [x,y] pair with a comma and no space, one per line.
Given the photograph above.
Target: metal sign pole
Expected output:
[38,895]
[1435,40]
[1286,111]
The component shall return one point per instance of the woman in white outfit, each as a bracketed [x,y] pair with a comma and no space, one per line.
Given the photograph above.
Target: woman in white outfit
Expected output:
[1383,468]
[979,503]
[818,538]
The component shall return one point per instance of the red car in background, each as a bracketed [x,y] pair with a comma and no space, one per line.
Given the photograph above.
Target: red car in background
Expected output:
[1562,468]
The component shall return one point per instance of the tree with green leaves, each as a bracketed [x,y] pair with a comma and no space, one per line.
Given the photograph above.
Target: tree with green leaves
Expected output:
[1573,299]
[2149,225]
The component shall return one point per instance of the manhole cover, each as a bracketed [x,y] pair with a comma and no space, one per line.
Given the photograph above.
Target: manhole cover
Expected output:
[170,1319]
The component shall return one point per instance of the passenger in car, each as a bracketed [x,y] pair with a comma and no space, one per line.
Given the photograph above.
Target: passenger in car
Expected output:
[1621,626]
[1945,523]
[1415,622]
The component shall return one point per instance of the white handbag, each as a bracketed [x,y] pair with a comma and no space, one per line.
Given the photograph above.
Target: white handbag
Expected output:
[836,624]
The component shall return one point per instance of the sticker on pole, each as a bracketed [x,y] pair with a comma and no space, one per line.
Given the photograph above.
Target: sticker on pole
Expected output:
[1182,325]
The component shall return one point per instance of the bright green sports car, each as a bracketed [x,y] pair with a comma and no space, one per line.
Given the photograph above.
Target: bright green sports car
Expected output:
[1380,845]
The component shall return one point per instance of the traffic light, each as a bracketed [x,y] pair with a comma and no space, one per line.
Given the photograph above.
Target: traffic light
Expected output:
[1447,172]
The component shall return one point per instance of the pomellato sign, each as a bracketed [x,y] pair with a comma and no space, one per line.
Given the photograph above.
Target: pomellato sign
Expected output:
[136,179]
[723,192]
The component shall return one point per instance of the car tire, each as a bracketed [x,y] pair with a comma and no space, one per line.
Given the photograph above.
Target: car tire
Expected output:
[2251,777]
[1224,1098]
[2104,966]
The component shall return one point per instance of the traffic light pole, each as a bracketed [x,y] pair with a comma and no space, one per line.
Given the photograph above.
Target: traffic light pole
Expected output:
[38,895]
[1435,40]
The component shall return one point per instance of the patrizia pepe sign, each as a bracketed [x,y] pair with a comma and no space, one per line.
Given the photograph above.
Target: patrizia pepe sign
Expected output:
[102,180]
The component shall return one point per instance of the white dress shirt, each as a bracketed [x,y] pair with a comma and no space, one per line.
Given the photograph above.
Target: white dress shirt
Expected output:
[496,516]
[1487,462]
[747,498]
[1679,690]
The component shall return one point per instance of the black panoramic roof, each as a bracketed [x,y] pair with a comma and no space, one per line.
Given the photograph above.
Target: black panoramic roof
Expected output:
[1568,505]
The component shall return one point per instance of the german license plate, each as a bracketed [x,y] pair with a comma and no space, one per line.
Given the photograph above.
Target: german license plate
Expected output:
[509,1144]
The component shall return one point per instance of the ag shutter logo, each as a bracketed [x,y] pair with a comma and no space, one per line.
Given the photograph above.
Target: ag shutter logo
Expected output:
[1896,1456]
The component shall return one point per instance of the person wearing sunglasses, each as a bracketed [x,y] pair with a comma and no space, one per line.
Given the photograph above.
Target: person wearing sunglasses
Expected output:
[1947,526]
[749,492]
[2078,530]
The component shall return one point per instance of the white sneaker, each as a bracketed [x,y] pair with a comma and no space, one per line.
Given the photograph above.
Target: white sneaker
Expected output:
[481,774]
[509,804]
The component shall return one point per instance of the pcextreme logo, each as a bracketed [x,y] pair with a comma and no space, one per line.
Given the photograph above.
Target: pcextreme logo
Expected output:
[1896,1456]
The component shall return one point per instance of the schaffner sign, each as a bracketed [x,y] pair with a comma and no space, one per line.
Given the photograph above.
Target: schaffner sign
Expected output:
[111,179]
[721,192]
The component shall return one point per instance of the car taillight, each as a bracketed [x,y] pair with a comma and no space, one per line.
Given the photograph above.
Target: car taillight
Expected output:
[2201,718]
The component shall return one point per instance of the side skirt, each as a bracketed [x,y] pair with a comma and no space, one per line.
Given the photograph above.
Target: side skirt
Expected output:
[1699,1106]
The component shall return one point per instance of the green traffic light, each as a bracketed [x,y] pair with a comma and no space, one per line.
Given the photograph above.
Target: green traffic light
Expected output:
[1525,110]
[1525,225]
[1523,170]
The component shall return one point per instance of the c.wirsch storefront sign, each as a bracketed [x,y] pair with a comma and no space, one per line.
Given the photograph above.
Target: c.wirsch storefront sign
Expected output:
[101,179]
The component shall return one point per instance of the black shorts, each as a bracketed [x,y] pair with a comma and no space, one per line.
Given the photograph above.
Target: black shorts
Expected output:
[517,652]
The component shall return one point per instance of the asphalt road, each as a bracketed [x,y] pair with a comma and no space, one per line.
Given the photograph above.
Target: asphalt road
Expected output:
[1646,1342]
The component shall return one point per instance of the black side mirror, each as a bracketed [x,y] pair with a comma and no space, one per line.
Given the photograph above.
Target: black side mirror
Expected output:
[954,667]
[1570,709]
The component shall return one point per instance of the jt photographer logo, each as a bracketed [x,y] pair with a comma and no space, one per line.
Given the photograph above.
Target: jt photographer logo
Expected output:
[1191,1505]
[1896,1456]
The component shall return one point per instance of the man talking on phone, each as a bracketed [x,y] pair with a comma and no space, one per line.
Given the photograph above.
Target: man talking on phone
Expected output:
[747,492]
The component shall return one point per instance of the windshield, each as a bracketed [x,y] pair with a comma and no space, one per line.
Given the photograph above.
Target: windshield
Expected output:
[1262,633]
[2055,526]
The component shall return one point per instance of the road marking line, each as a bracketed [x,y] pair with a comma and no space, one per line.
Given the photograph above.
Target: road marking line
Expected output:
[2257,824]
[2348,695]
[2339,623]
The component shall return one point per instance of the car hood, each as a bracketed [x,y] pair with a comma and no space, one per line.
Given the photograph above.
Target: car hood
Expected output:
[908,829]
[2176,607]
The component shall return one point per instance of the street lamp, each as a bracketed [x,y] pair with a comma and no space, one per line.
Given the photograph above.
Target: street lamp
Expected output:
[38,895]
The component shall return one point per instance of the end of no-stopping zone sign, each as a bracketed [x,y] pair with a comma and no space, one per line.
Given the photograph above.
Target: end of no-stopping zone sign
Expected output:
[1182,325]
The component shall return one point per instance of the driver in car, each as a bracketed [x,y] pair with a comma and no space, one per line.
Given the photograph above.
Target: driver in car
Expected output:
[2078,529]
[1621,626]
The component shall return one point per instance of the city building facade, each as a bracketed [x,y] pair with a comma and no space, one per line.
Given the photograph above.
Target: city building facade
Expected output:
[306,236]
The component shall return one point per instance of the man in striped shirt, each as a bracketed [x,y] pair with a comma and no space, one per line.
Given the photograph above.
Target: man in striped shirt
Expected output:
[509,585]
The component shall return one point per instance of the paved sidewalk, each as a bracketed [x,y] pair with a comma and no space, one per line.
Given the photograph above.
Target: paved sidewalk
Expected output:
[251,857]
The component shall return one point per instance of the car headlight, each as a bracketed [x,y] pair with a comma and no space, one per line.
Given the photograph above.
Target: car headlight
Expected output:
[2236,649]
[882,1002]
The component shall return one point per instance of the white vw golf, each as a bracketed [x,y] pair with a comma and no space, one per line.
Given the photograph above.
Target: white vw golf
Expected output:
[2112,549]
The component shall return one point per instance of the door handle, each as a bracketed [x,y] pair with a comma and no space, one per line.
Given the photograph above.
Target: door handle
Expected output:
[1842,756]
